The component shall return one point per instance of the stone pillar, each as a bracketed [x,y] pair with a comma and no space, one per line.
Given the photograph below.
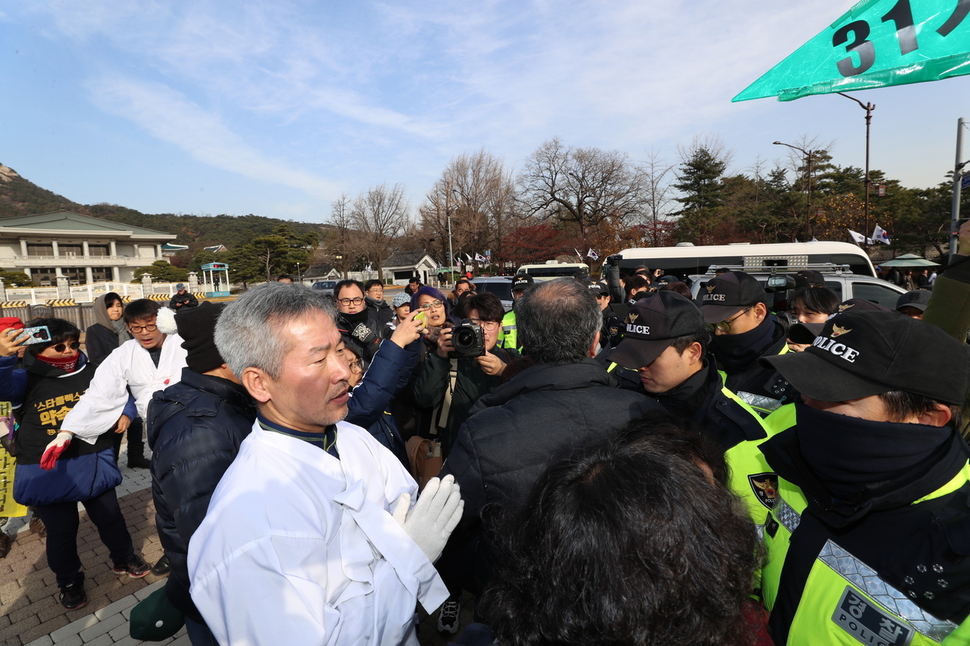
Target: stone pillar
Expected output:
[63,287]
[89,277]
[3,292]
[113,248]
[115,274]
[146,285]
[57,250]
[193,282]
[158,252]
[23,247]
[87,251]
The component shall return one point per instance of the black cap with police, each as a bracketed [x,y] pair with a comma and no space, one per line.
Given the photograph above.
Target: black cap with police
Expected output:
[651,326]
[863,353]
[727,294]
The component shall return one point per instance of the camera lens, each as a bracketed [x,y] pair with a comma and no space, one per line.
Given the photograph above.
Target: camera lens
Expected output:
[463,338]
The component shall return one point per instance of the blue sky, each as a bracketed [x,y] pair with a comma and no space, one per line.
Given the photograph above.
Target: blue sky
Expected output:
[277,108]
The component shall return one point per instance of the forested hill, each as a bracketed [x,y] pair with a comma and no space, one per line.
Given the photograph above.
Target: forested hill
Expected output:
[19,197]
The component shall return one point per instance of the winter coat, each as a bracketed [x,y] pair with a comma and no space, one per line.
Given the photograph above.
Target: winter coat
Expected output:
[101,339]
[128,371]
[388,373]
[194,431]
[432,381]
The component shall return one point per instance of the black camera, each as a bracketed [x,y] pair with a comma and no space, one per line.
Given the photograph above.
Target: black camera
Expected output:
[468,340]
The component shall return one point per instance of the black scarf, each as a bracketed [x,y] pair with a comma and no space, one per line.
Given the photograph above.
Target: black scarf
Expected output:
[851,466]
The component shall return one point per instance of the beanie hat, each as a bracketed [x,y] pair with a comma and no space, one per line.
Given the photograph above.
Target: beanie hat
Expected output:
[196,327]
[401,299]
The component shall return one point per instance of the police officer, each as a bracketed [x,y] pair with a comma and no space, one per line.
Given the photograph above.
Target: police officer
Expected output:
[664,349]
[509,337]
[870,537]
[733,303]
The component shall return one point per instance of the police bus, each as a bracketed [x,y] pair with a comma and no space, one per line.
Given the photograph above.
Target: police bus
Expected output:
[686,259]
[553,269]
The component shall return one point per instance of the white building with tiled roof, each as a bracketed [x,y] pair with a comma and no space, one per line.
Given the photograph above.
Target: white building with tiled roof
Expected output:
[83,249]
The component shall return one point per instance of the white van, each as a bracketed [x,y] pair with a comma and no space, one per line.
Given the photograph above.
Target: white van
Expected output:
[686,259]
[553,269]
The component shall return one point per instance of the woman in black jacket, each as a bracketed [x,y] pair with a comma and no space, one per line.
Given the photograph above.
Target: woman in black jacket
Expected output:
[53,476]
[108,331]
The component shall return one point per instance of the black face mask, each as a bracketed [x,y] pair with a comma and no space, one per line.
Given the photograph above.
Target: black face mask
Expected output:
[735,352]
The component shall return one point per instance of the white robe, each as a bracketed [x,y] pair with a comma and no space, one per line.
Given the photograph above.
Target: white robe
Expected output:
[298,547]
[128,366]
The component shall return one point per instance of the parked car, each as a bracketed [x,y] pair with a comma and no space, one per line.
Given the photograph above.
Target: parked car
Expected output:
[501,286]
[325,286]
[845,284]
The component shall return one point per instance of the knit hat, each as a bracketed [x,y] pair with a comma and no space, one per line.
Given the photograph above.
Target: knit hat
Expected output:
[196,326]
[652,325]
[727,294]
[863,353]
[401,299]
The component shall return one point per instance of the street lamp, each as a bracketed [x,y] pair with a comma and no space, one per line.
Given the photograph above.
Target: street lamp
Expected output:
[808,166]
[868,107]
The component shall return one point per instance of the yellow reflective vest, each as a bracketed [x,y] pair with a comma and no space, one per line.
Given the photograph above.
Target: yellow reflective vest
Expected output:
[844,601]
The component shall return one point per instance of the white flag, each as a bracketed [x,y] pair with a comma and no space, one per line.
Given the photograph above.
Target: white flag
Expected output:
[578,255]
[880,235]
[592,254]
[857,237]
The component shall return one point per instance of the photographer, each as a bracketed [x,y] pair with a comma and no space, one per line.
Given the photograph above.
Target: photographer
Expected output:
[466,365]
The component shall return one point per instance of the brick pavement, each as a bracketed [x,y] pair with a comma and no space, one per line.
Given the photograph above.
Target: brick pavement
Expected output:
[29,609]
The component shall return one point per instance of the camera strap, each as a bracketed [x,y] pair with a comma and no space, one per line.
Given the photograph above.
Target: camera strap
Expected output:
[442,421]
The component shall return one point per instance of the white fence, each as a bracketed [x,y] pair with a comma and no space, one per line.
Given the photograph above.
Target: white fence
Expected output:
[86,293]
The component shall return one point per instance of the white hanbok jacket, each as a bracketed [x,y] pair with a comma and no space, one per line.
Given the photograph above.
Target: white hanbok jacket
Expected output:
[128,366]
[299,547]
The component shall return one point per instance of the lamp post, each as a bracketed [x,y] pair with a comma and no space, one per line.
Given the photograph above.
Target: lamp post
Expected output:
[808,166]
[868,107]
[957,185]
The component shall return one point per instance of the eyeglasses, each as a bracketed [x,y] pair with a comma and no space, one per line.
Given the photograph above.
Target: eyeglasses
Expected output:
[432,305]
[348,301]
[355,366]
[61,347]
[725,326]
[491,326]
[138,329]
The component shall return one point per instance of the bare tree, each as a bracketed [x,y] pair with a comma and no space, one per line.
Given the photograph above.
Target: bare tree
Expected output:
[478,195]
[657,180]
[342,246]
[380,214]
[585,186]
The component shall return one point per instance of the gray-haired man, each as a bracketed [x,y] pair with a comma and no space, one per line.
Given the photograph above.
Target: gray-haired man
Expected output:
[309,538]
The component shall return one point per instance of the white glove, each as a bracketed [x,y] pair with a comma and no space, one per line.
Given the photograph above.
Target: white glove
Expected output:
[434,517]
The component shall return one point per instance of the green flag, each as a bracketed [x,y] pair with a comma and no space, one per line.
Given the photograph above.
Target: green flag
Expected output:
[875,44]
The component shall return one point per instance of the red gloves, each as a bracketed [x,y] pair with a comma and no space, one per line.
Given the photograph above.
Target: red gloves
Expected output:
[54,450]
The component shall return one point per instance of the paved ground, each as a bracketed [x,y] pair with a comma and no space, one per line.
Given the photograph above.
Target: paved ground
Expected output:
[31,615]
